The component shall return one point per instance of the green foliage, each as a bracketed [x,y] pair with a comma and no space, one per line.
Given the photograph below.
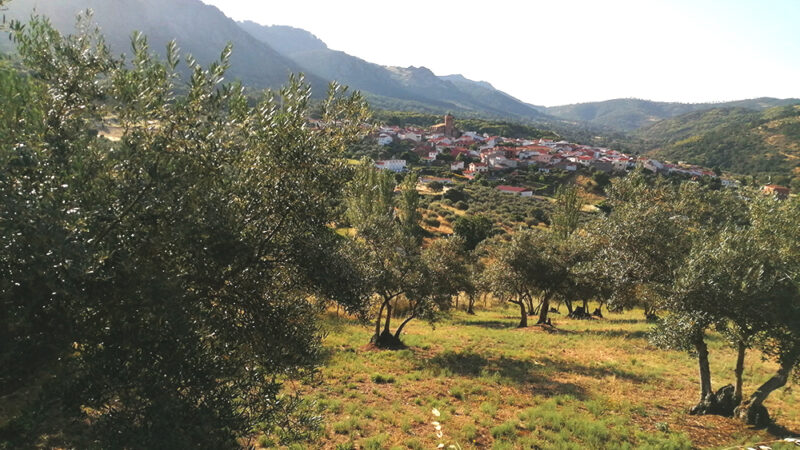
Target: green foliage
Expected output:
[165,277]
[473,229]
[408,206]
[736,140]
[565,217]
[393,266]
[382,379]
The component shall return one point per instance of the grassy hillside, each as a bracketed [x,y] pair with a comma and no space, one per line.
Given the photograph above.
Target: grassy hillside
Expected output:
[631,114]
[590,384]
[740,141]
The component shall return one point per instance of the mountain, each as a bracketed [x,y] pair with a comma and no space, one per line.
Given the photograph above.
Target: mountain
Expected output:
[632,114]
[734,139]
[285,39]
[404,88]
[199,29]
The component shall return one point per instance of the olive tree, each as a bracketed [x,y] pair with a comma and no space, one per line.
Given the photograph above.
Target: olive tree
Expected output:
[525,268]
[403,279]
[168,275]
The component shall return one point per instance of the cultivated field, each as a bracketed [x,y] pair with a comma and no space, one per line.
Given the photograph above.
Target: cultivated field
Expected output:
[587,384]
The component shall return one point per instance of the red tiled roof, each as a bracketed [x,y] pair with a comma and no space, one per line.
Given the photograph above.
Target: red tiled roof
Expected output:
[511,189]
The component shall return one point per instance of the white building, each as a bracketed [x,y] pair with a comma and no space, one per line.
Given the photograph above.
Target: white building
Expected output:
[384,139]
[395,165]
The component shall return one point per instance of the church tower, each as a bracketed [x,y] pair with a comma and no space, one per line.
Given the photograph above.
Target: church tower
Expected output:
[449,125]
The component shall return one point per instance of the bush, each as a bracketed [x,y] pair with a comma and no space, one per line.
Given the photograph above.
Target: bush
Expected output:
[505,430]
[462,205]
[346,426]
[435,186]
[432,222]
[382,379]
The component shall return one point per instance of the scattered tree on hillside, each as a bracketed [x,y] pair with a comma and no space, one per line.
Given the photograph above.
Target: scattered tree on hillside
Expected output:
[402,277]
[565,218]
[526,268]
[472,229]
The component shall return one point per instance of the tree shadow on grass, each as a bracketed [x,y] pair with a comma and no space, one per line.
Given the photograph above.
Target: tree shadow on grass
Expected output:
[638,334]
[599,372]
[509,370]
[779,431]
[542,371]
[493,324]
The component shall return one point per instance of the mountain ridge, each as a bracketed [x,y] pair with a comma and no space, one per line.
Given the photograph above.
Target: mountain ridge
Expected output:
[406,85]
[629,114]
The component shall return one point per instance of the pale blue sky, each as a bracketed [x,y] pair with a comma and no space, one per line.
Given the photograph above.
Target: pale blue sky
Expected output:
[567,51]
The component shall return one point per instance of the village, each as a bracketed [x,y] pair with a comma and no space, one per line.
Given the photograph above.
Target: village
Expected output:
[470,155]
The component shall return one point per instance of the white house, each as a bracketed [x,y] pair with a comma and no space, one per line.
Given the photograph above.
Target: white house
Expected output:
[384,139]
[522,192]
[620,165]
[395,165]
[457,165]
[410,136]
[478,167]
[652,165]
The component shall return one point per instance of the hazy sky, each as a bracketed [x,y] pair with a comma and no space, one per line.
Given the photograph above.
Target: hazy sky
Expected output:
[566,51]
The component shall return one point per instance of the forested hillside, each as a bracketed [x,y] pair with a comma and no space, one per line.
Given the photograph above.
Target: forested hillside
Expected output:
[733,139]
[632,114]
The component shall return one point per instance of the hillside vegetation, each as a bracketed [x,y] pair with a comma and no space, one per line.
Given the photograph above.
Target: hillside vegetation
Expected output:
[494,127]
[628,114]
[733,139]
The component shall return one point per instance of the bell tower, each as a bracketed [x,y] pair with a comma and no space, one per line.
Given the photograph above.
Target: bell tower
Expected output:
[449,125]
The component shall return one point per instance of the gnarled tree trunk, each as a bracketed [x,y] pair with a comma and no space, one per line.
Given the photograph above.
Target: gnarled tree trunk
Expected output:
[753,411]
[402,325]
[544,309]
[471,304]
[523,315]
[706,392]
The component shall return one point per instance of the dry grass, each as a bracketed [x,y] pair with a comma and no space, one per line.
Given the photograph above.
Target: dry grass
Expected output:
[594,384]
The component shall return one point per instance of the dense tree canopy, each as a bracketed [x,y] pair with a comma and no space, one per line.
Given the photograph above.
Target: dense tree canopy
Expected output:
[164,274]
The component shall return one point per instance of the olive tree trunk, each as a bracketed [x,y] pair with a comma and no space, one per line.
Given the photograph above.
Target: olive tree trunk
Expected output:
[544,309]
[702,361]
[523,315]
[740,352]
[752,411]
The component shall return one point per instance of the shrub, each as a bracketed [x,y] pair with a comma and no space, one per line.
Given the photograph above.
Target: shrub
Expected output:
[382,379]
[505,430]
[490,409]
[432,222]
[375,442]
[346,426]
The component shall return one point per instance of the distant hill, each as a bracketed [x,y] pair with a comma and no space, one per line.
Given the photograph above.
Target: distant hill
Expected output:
[397,88]
[199,29]
[734,139]
[632,114]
